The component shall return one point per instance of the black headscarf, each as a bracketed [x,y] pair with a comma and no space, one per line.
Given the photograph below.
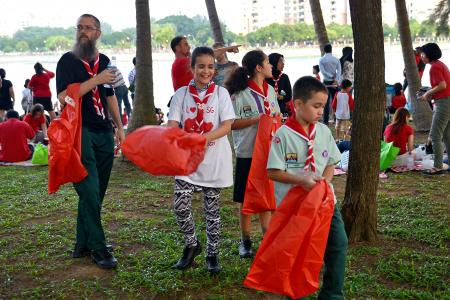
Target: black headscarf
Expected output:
[347,55]
[274,58]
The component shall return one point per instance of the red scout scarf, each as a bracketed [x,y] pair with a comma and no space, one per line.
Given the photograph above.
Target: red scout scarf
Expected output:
[95,92]
[199,127]
[293,124]
[276,82]
[264,93]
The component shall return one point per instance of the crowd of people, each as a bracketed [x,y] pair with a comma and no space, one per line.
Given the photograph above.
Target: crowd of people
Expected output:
[214,97]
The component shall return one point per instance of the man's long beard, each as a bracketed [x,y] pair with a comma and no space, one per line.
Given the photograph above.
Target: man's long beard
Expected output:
[85,50]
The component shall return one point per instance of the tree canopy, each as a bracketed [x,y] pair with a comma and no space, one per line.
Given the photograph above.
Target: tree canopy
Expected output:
[198,31]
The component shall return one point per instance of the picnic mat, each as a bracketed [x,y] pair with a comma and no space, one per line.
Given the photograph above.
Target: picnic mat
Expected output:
[26,163]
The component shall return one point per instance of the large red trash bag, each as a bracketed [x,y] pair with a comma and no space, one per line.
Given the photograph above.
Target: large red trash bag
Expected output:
[290,257]
[259,191]
[64,134]
[161,150]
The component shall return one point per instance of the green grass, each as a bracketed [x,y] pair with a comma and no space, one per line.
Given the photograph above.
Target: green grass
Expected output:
[410,260]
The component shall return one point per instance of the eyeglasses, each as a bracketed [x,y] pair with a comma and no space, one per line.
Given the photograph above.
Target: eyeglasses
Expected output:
[86,28]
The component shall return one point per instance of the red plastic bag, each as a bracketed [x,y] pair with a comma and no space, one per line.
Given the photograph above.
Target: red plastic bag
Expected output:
[259,192]
[290,257]
[64,134]
[163,150]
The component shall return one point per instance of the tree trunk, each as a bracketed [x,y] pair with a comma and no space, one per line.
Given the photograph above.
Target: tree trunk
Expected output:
[422,113]
[359,208]
[214,21]
[143,106]
[319,25]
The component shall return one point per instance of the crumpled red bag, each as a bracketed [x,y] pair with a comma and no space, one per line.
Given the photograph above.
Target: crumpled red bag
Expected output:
[259,191]
[64,134]
[161,150]
[290,257]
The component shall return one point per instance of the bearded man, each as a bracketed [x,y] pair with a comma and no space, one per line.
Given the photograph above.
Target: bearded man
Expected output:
[85,65]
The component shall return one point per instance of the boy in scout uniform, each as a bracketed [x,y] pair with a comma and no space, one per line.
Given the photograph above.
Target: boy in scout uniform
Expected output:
[303,151]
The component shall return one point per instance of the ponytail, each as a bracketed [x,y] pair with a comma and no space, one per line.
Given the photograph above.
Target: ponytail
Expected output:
[237,81]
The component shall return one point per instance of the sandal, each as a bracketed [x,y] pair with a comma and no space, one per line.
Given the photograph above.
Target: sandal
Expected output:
[433,172]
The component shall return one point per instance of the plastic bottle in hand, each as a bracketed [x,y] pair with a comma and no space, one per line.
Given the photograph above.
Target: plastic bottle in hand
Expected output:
[112,65]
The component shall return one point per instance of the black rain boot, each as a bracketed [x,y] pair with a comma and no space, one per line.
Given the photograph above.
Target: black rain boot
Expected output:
[245,249]
[212,264]
[189,254]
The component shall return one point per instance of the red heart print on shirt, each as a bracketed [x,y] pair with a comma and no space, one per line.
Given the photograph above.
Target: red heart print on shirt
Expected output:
[191,125]
[193,109]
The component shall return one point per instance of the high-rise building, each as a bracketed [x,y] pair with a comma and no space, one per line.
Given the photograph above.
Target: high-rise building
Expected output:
[261,13]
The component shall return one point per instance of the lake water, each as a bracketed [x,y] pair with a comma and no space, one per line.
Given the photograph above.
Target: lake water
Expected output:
[299,62]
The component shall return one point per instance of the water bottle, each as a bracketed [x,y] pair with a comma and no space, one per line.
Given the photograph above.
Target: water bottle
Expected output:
[112,65]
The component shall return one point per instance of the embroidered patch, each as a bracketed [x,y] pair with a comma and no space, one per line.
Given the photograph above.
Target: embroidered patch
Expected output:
[247,109]
[291,157]
[325,154]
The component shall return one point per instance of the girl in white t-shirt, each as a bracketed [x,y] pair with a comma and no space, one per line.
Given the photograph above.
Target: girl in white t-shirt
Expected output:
[205,108]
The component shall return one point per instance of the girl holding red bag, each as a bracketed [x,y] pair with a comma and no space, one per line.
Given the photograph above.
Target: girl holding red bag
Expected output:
[303,152]
[251,98]
[203,108]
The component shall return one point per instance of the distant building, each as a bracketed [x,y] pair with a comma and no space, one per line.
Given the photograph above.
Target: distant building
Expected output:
[260,13]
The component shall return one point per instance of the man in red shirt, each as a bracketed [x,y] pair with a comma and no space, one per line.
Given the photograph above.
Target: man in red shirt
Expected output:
[181,69]
[39,84]
[14,136]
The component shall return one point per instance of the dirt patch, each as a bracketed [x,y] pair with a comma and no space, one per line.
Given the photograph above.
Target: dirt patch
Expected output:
[80,270]
[47,219]
[133,249]
[15,283]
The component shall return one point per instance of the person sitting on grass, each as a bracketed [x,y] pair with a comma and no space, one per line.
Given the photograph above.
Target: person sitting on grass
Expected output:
[37,121]
[400,132]
[14,136]
[399,99]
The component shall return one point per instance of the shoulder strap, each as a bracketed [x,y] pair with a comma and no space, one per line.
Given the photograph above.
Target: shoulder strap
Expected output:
[258,103]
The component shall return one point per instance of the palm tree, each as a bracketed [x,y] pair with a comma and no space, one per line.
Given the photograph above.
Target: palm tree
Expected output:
[144,106]
[422,113]
[214,21]
[359,208]
[319,25]
[440,17]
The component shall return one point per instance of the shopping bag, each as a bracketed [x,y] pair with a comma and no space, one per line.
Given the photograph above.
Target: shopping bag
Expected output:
[259,192]
[40,155]
[388,154]
[290,257]
[161,150]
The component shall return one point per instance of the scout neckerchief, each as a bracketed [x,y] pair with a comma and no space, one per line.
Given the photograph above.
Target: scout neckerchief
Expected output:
[276,82]
[293,124]
[254,88]
[200,102]
[95,92]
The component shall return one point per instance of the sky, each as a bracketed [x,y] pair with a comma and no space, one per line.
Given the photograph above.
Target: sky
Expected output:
[119,13]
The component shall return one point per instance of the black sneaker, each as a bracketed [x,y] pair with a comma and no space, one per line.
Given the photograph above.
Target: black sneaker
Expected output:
[189,254]
[104,259]
[245,249]
[212,264]
[80,251]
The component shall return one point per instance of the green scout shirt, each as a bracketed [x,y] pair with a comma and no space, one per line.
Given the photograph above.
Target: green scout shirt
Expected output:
[245,106]
[288,153]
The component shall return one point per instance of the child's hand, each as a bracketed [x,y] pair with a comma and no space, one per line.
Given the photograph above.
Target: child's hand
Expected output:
[308,182]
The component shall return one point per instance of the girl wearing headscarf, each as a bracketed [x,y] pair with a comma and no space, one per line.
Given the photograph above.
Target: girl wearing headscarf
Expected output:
[347,64]
[280,82]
